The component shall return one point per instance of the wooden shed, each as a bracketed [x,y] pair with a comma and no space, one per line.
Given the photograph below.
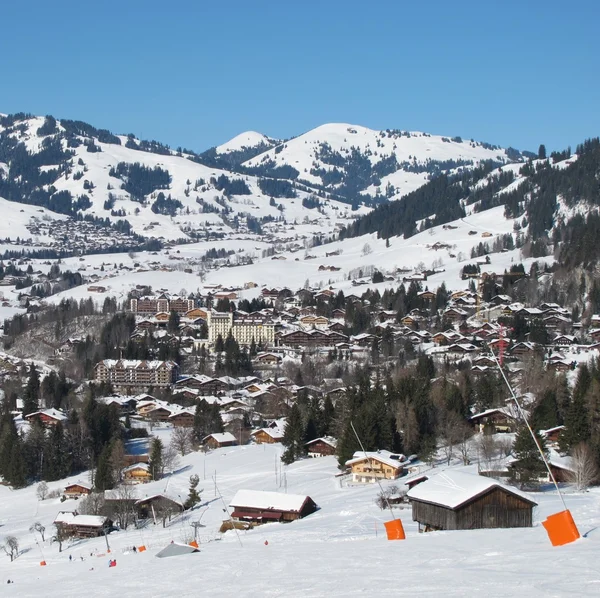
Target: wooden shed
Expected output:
[258,506]
[455,500]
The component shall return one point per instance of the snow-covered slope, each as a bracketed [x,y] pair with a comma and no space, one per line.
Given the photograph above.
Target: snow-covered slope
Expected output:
[245,140]
[312,557]
[415,154]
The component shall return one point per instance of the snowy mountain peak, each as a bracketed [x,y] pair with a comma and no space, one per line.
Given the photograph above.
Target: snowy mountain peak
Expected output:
[245,140]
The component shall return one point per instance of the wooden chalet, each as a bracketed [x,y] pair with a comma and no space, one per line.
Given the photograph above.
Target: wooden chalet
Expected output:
[182,419]
[137,473]
[219,440]
[321,447]
[455,500]
[258,507]
[267,435]
[77,490]
[500,419]
[372,466]
[82,526]
[47,417]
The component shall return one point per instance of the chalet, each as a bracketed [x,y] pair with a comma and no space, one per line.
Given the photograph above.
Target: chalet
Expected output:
[258,507]
[82,526]
[137,473]
[321,447]
[182,419]
[47,417]
[219,440]
[454,314]
[455,500]
[523,348]
[499,419]
[552,435]
[564,339]
[159,414]
[267,435]
[77,490]
[371,466]
[595,334]
[269,358]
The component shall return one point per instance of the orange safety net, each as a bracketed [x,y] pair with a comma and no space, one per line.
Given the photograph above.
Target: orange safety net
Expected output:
[43,563]
[194,543]
[141,548]
[394,530]
[561,528]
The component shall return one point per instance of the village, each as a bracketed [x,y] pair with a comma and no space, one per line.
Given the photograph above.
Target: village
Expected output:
[237,378]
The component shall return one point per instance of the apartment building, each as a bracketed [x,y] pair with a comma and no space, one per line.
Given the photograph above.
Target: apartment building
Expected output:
[133,373]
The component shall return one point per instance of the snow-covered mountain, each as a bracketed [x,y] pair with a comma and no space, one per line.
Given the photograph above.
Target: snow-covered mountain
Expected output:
[349,158]
[246,140]
[316,183]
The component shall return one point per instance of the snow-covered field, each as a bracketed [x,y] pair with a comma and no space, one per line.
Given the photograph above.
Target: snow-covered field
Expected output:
[341,550]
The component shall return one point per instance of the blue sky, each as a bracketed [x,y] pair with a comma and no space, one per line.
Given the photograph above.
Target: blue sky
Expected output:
[195,73]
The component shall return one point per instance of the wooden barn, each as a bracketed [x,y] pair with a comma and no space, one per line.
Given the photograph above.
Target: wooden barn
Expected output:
[455,500]
[263,507]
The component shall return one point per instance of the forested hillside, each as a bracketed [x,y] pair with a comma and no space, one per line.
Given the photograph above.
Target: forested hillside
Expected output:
[556,199]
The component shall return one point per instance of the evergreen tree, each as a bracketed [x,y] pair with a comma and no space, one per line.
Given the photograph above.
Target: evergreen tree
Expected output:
[293,436]
[577,426]
[193,496]
[57,461]
[104,472]
[156,458]
[542,152]
[173,323]
[529,466]
[31,396]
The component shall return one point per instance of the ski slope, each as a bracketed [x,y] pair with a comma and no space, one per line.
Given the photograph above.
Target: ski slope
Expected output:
[341,550]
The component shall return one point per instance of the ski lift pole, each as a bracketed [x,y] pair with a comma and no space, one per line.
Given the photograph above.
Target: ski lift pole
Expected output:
[533,435]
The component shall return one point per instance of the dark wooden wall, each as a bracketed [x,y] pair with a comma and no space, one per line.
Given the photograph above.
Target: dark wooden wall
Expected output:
[496,508]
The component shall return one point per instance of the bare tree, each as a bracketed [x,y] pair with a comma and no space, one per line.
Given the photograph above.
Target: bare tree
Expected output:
[182,440]
[450,434]
[585,471]
[465,446]
[366,250]
[170,458]
[488,450]
[92,504]
[42,490]
[11,547]
[38,527]
[123,505]
[60,536]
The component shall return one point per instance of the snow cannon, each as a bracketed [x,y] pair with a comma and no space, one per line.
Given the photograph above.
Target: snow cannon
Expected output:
[561,528]
[394,530]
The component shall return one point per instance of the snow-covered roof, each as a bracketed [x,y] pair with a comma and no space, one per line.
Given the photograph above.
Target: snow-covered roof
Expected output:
[71,518]
[452,488]
[221,437]
[258,499]
[384,457]
[52,413]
